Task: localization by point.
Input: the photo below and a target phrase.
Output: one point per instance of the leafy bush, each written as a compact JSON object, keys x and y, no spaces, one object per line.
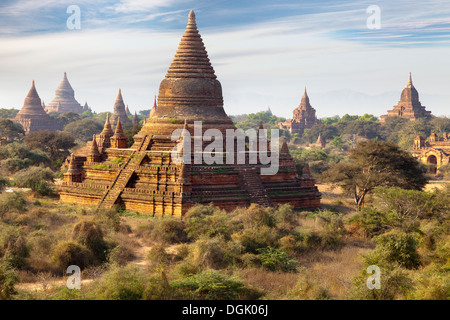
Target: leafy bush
{"x":253,"y":239}
{"x":168,"y":230}
{"x":276,"y":260}
{"x":395,"y":284}
{"x":207,"y":223}
{"x":122,"y":283}
{"x":12,"y":202}
{"x":13,"y":247}
{"x":35,"y":178}
{"x":372,"y":222}
{"x":8,"y":278}
{"x":158,"y":256}
{"x":395,"y":247}
{"x":89,"y":234}
{"x":307,"y":288}
{"x":68,"y":253}
{"x":211,"y":285}
{"x":210,"y":253}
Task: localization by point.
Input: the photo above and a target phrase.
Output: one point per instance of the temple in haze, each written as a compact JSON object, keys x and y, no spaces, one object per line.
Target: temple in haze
{"x":304,"y":117}
{"x":119,"y":111}
{"x":32,"y":116}
{"x":409,"y":106}
{"x":64,"y":100}
{"x":145,"y":177}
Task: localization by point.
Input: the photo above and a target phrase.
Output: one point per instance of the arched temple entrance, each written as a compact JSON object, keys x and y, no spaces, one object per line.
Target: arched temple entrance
{"x":432,"y":164}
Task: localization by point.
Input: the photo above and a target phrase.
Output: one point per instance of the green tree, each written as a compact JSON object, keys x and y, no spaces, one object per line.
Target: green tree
{"x":35,"y":178}
{"x":84,"y":129}
{"x":55,"y":144}
{"x":8,"y":278}
{"x":10,"y":130}
{"x":375,"y":164}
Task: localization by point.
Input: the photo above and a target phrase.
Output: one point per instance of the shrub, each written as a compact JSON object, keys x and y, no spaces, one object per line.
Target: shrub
{"x":122,"y":283}
{"x":254,"y":239}
{"x":372,"y":222}
{"x":109,"y":218}
{"x":12,"y":202}
{"x":395,"y":247}
{"x":307,"y":288}
{"x":395,"y":284}
{"x":119,"y":255}
{"x":209,"y":253}
{"x":89,"y":234}
{"x":169,"y":230}
{"x":13,"y":247}
{"x":8,"y":278}
{"x":158,"y":256}
{"x":257,"y":216}
{"x":210,"y":225}
{"x":68,"y":253}
{"x":276,"y":260}
{"x":35,"y":178}
{"x":211,"y":285}
{"x":285,"y":214}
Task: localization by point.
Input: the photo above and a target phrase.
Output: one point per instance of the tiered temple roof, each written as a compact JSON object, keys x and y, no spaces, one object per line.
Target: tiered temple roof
{"x":146,"y":178}
{"x":32,"y":116}
{"x":64,"y":100}
{"x":304,"y":117}
{"x":409,"y":106}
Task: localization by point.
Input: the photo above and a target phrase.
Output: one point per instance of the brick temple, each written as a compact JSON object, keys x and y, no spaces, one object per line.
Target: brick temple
{"x":64,"y":100}
{"x":32,"y":115}
{"x":304,"y":117}
{"x":409,"y":106}
{"x":435,"y":152}
{"x":145,"y":178}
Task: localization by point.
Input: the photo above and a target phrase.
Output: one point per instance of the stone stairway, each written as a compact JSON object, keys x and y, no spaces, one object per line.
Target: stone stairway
{"x":111,"y":195}
{"x":254,"y":186}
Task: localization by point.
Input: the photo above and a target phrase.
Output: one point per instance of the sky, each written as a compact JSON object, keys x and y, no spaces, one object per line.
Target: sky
{"x":264,"y":52}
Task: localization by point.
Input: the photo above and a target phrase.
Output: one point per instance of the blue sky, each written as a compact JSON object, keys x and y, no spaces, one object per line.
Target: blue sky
{"x":264,"y":52}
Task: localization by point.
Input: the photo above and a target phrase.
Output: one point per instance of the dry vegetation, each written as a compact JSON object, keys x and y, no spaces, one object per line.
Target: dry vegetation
{"x":252,"y":253}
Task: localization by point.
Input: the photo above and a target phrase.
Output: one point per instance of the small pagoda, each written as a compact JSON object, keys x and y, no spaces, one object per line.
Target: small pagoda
{"x":144,"y":177}
{"x":119,"y":111}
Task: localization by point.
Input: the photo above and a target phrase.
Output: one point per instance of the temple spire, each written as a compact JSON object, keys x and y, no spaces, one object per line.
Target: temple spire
{"x":119,"y":130}
{"x":409,"y":84}
{"x":107,"y":131}
{"x":191,"y":59}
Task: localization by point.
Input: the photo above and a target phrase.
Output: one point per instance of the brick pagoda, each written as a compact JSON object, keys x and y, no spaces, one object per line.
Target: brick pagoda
{"x":32,"y":116}
{"x":143,"y":177}
{"x":64,"y":100}
{"x":304,"y":117}
{"x":409,"y":106}
{"x":119,"y":111}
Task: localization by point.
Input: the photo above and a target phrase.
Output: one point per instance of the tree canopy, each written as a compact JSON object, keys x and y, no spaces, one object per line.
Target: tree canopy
{"x":375,"y":164}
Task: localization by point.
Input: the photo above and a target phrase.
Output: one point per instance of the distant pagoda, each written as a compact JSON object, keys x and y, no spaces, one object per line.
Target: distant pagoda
{"x":304,"y":117}
{"x":144,"y":177}
{"x":119,"y":111}
{"x":32,"y":116}
{"x":64,"y":100}
{"x":409,"y":106}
